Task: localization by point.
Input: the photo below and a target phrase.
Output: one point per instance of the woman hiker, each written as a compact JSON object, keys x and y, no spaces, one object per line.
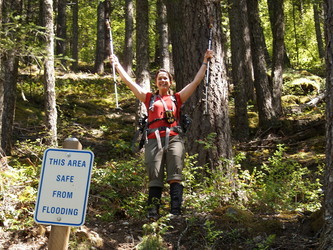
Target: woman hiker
{"x":164,"y":149}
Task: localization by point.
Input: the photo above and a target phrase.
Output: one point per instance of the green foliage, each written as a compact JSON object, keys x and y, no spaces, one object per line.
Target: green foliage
{"x":18,"y":189}
{"x":19,"y":184}
{"x":24,"y":39}
{"x":267,"y":243}
{"x":279,"y":184}
{"x":300,"y":37}
{"x":120,"y":184}
{"x":209,"y":141}
{"x":212,"y":234}
{"x":302,"y":83}
{"x":153,"y":234}
{"x":285,"y":185}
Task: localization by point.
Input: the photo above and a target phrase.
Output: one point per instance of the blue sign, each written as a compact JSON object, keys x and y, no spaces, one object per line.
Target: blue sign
{"x":64,"y":187}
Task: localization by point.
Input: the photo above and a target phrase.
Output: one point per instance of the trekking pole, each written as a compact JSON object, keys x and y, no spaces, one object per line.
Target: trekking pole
{"x":208,"y":70}
{"x":113,"y":66}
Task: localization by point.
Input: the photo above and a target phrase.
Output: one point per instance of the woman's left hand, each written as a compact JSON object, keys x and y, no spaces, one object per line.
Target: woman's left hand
{"x":209,"y":54}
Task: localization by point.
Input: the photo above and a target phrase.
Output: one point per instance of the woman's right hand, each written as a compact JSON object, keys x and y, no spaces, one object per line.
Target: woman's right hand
{"x":114,"y":59}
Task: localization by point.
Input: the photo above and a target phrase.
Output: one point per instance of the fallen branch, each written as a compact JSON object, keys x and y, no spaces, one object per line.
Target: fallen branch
{"x":313,"y":102}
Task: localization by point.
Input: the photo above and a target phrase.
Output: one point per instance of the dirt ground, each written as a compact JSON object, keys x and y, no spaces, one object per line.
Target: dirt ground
{"x":292,"y":231}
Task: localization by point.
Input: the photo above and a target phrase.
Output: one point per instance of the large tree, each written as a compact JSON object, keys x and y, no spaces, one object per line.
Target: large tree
{"x":327,"y":233}
{"x":189,"y":23}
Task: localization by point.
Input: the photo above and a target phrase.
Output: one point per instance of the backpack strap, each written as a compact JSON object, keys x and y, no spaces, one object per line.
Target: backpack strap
{"x":151,"y":103}
{"x":151,"y":106}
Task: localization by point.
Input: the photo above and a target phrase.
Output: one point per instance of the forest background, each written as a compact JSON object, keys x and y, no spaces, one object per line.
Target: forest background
{"x":256,"y":172}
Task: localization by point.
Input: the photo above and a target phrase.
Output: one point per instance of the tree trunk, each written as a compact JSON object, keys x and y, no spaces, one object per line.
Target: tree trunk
{"x":61,"y":30}
{"x":101,"y":38}
{"x":9,"y":71}
{"x":75,"y":38}
{"x":277,"y":25}
{"x":2,"y":75}
{"x":263,"y":90}
{"x":239,"y":60}
{"x":162,"y":51}
{"x":142,"y":49}
{"x":10,"y":65}
{"x":189,"y":23}
{"x":295,"y":32}
{"x":327,"y":233}
{"x":129,"y":29}
{"x":49,"y":76}
{"x":317,"y":9}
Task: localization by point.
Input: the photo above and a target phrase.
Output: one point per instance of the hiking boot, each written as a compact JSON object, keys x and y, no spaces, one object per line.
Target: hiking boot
{"x":176,"y":195}
{"x":154,"y":200}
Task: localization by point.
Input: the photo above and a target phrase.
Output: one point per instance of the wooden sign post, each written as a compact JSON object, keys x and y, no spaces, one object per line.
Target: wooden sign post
{"x":59,"y":235}
{"x":63,"y":190}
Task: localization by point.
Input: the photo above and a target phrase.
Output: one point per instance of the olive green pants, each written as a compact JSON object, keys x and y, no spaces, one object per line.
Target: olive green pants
{"x":159,"y":161}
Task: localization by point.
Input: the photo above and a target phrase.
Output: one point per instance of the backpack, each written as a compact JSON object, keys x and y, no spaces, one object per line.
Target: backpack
{"x":184,"y":123}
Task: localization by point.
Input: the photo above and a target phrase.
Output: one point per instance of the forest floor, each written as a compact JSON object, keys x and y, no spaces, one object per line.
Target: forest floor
{"x":233,"y":228}
{"x":275,"y":231}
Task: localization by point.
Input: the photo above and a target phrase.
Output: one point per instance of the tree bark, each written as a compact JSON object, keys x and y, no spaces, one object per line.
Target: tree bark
{"x":129,"y":29}
{"x":162,"y":51}
{"x":101,"y":37}
{"x":142,"y":50}
{"x":241,"y":74}
{"x":49,"y":76}
{"x":277,"y":24}
{"x":2,"y":75}
{"x":327,"y":232}
{"x":263,"y":90}
{"x":317,"y":9}
{"x":75,"y":38}
{"x":61,"y":30}
{"x":10,"y":71}
{"x":8,"y":81}
{"x":189,"y":43}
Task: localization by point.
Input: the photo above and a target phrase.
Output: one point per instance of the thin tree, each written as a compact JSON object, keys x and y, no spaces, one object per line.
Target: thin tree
{"x":327,"y":232}
{"x":317,"y":16}
{"x":75,"y":38}
{"x":129,"y":30}
{"x":142,"y":49}
{"x":1,"y":82}
{"x":241,"y":65}
{"x":189,"y":22}
{"x":261,"y":82}
{"x":277,"y":25}
{"x":162,"y":45}
{"x":103,"y":12}
{"x":61,"y":29}
{"x":49,"y":75}
{"x":8,"y":80}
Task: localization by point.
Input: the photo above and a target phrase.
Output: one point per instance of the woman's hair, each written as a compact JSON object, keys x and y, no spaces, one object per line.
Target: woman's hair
{"x":170,"y":92}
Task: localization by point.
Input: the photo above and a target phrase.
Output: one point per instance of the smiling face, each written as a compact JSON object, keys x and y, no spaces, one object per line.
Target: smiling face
{"x":163,"y":82}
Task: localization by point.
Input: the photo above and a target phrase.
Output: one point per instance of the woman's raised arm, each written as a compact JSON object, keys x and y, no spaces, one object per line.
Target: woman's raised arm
{"x":137,"y":90}
{"x":188,"y":90}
